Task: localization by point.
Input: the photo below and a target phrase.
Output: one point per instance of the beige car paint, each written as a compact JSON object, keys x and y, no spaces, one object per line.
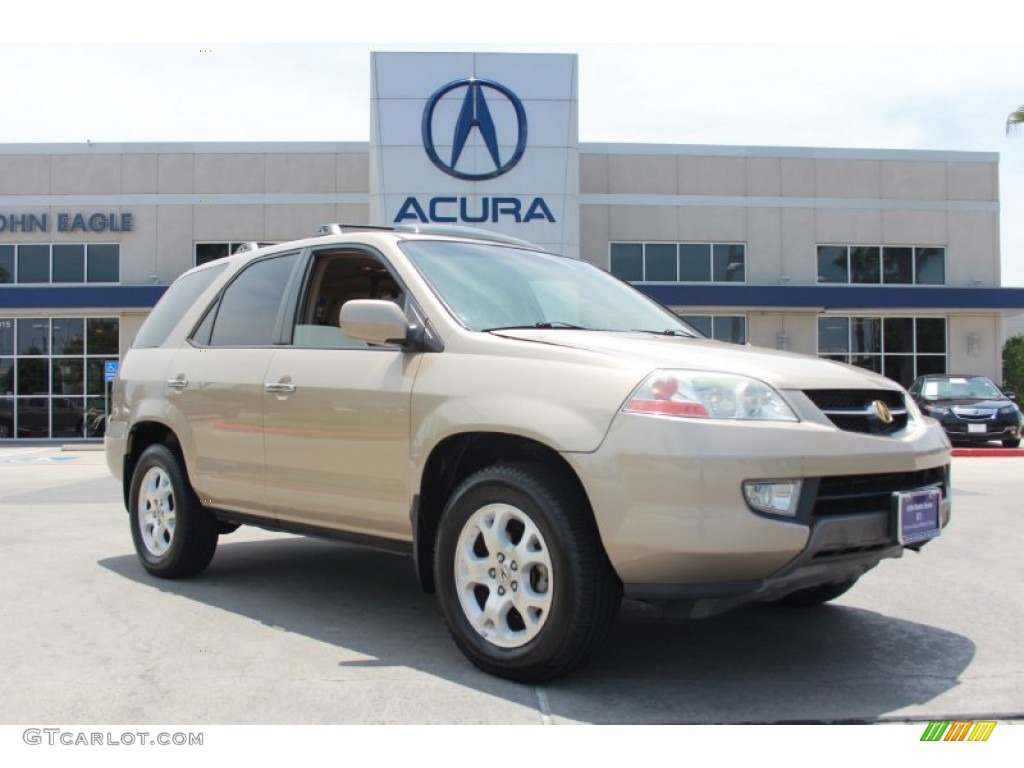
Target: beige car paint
{"x":666,"y":492}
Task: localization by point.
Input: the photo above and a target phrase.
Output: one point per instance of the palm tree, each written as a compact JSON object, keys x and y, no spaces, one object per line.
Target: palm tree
{"x":1015,"y":119}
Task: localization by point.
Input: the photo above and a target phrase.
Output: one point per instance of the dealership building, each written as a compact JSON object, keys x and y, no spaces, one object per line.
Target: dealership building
{"x":885,"y":259}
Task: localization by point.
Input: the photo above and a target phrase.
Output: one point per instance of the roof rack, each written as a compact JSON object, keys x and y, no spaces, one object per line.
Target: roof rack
{"x":452,"y":230}
{"x":470,"y":232}
{"x":340,"y":229}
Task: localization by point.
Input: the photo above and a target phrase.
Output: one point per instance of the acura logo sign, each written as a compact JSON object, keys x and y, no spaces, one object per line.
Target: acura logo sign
{"x":474,"y":117}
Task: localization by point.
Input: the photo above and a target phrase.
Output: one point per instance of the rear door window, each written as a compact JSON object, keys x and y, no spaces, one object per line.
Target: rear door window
{"x":247,"y":312}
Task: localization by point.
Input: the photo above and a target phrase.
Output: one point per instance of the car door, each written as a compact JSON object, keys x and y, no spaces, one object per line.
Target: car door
{"x":216,"y":383}
{"x":337,"y":411}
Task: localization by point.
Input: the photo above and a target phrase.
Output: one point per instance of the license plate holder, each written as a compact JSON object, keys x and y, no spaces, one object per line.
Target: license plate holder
{"x":977,"y":429}
{"x":917,"y":515}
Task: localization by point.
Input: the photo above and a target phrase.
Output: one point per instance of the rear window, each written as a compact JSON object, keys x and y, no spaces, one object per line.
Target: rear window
{"x":169,"y":310}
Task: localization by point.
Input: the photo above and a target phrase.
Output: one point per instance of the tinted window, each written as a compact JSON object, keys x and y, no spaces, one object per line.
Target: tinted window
{"x":68,"y":336}
{"x":168,"y":311}
{"x":248,"y":309}
{"x":931,"y":266}
{"x":897,"y":265}
{"x":833,"y":335}
{"x":104,"y":264}
{"x":69,"y":263}
{"x":34,"y":336}
{"x":864,"y":265}
{"x":662,"y":263}
{"x":33,"y":263}
{"x":627,"y":261}
{"x":694,"y":263}
{"x":6,"y":263}
{"x":103,"y":336}
{"x":832,"y":266}
{"x":729,"y":264}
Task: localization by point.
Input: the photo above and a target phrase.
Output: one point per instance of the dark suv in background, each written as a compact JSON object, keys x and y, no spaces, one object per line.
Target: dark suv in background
{"x":970,"y":408}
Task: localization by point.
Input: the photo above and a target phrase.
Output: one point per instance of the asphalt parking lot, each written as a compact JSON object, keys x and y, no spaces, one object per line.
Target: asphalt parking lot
{"x":283,"y":629}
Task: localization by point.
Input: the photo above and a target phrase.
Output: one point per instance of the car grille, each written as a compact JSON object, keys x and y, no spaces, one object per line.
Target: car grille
{"x":854,"y":410}
{"x":975,"y":414}
{"x":853,"y":494}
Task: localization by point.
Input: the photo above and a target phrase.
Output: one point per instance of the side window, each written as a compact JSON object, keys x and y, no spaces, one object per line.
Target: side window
{"x":173,"y":304}
{"x":336,"y":278}
{"x":248,"y":308}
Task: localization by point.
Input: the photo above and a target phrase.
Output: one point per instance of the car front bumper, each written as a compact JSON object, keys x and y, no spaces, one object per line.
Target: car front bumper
{"x":668,"y":500}
{"x":962,"y":430}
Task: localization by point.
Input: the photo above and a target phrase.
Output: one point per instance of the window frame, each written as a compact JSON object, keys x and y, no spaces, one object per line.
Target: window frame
{"x":287,"y":300}
{"x":915,"y":355}
{"x":914,"y":255}
{"x":711,"y":245}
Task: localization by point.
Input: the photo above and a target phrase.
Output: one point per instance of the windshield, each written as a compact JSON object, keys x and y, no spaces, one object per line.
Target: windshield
{"x":490,"y":287}
{"x":977,"y":388}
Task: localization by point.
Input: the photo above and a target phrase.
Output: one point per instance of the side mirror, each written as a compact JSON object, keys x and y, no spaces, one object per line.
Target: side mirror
{"x":1010,"y":395}
{"x":375,"y":321}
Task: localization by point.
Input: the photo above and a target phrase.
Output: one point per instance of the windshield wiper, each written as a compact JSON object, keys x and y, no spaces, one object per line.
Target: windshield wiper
{"x":542,"y":324}
{"x":666,"y":332}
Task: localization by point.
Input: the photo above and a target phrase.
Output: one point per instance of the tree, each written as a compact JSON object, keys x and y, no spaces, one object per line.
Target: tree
{"x":1015,"y":119}
{"x":1013,"y":365}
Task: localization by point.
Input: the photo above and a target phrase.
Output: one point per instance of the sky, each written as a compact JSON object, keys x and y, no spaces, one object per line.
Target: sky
{"x":892,"y":75}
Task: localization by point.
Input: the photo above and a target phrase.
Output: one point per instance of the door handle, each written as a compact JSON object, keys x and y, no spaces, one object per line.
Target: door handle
{"x":179,"y":383}
{"x":279,"y":387}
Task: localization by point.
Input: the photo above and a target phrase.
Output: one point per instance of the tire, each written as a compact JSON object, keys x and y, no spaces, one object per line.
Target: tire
{"x":808,"y":598}
{"x":1011,"y":443}
{"x":174,"y":536}
{"x":522,"y":577}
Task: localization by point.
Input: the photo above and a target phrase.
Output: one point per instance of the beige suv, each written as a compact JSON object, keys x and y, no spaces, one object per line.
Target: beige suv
{"x":540,"y":437}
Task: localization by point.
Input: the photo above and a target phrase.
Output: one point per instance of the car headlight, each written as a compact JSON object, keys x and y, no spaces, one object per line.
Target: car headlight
{"x":701,"y":395}
{"x":1009,"y":410}
{"x":937,"y":410}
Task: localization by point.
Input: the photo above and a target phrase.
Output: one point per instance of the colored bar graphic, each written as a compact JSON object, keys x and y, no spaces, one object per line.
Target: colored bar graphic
{"x":982,"y":730}
{"x":958,"y":730}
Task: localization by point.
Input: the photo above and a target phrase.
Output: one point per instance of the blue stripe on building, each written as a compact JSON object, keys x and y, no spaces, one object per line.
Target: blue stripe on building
{"x":838,"y":297}
{"x":55,"y":298}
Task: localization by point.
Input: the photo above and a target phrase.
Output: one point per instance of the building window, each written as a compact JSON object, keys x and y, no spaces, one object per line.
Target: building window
{"x":901,"y":348}
{"x":33,"y":263}
{"x":732,"y":328}
{"x":52,"y":381}
{"x":678,"y":262}
{"x":206,"y":252}
{"x":881,"y":265}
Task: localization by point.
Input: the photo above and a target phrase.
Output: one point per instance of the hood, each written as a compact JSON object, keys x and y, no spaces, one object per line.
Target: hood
{"x":782,"y":370}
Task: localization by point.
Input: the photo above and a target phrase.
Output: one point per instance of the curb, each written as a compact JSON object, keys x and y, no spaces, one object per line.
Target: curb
{"x":994,"y":453}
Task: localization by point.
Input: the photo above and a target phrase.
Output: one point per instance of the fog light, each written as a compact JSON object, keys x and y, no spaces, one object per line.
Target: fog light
{"x":776,"y":497}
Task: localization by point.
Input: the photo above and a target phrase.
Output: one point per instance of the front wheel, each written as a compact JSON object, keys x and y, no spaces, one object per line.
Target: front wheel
{"x":1015,"y":443}
{"x":522,"y":577}
{"x":174,"y":536}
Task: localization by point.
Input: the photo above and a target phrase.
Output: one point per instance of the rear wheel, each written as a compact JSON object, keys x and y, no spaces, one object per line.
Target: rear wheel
{"x":174,"y":536}
{"x":522,"y":577}
{"x":808,"y":598}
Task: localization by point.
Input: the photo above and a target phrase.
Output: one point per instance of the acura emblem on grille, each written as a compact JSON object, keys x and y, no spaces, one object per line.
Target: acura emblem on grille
{"x":882,"y":412}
